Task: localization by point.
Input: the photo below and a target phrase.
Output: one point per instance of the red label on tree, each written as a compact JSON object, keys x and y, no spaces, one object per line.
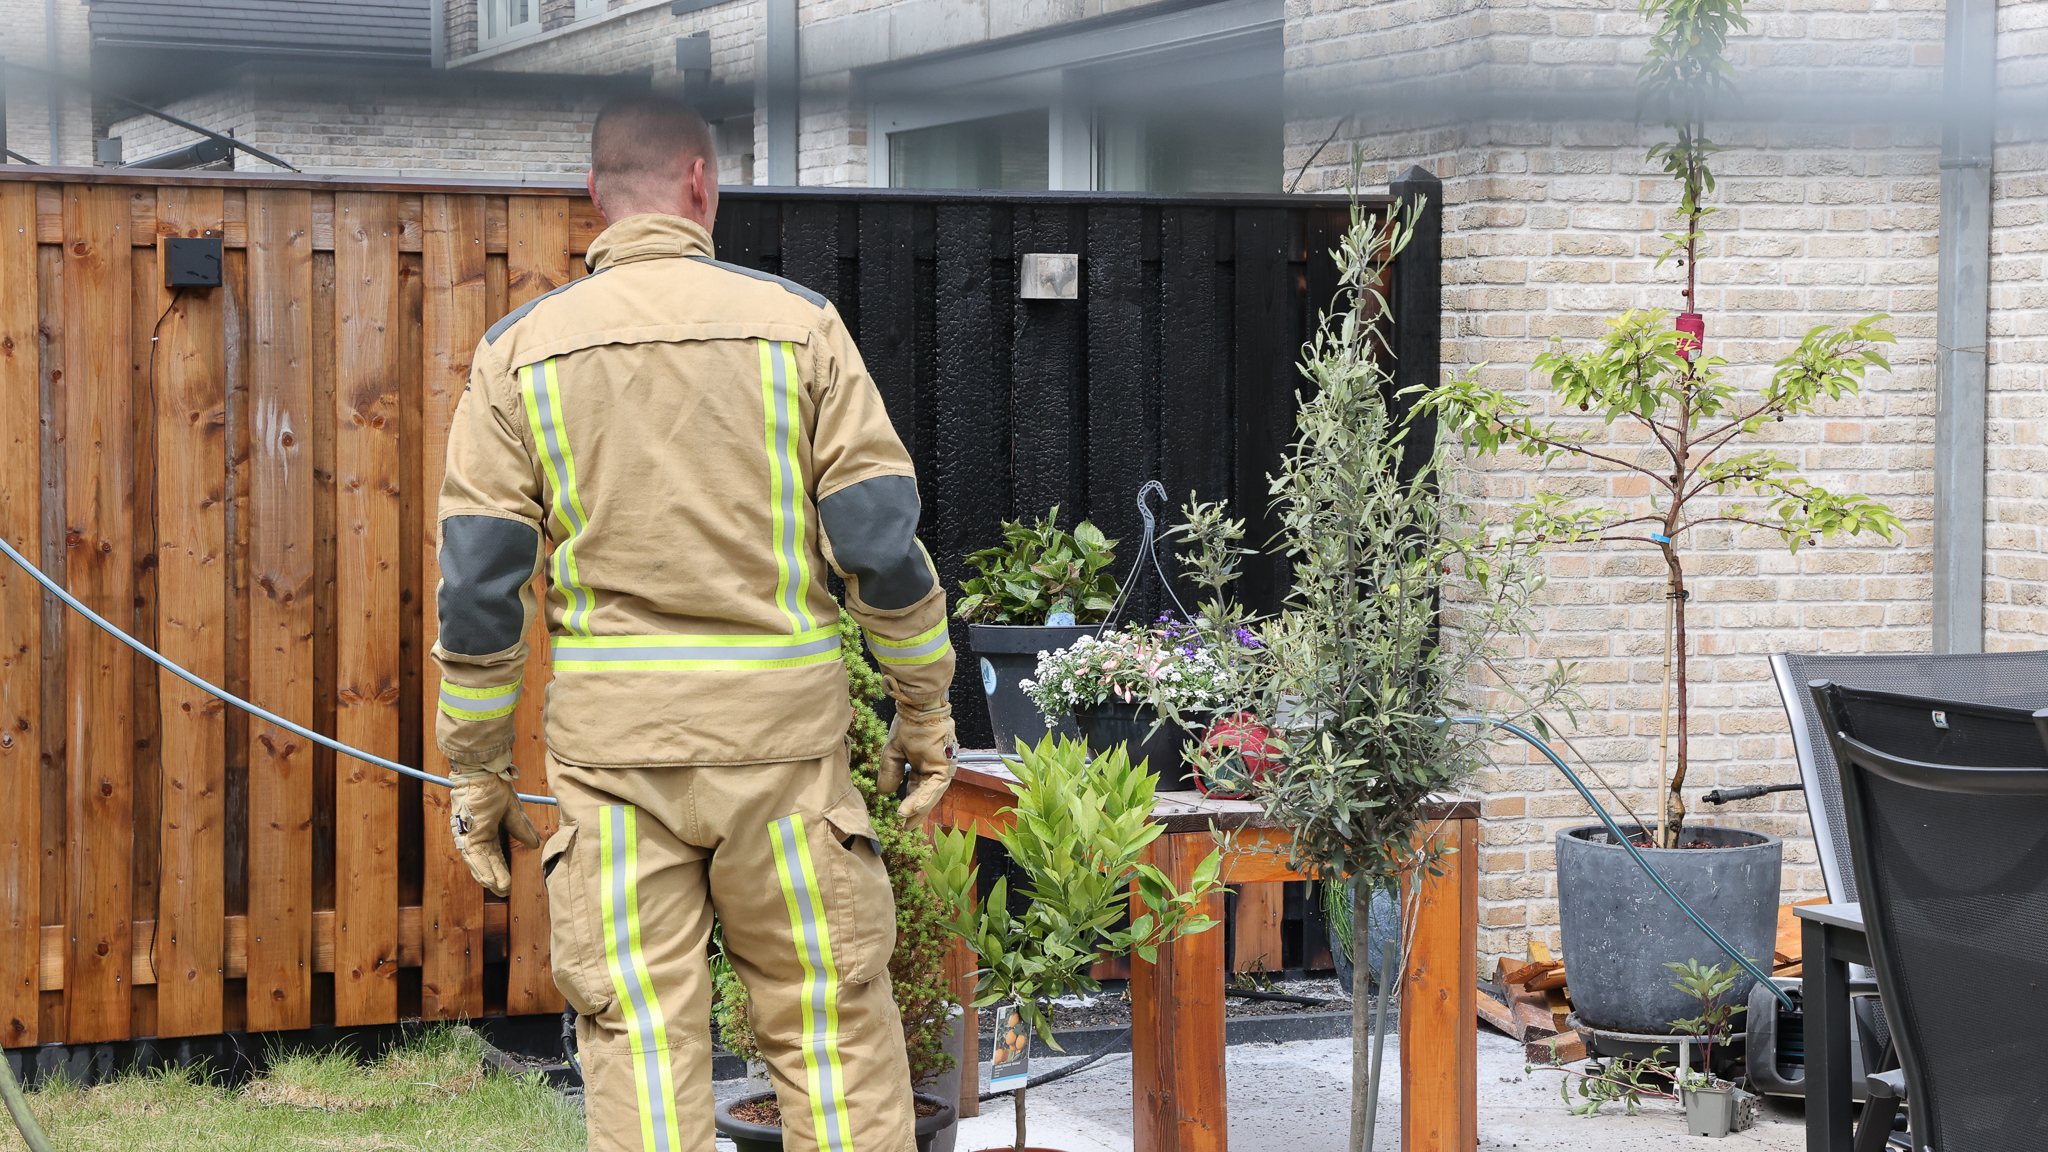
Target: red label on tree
{"x":1692,"y":329}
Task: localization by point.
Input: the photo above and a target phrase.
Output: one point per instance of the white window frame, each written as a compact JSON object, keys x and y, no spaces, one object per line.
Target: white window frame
{"x":585,"y":9}
{"x":887,"y":119}
{"x":1060,"y":73}
{"x":520,"y":31}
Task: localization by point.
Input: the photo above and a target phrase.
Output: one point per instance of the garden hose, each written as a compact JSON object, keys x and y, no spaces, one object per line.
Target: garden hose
{"x":1762,"y":977}
{"x":222,"y":694}
{"x":25,"y":1122}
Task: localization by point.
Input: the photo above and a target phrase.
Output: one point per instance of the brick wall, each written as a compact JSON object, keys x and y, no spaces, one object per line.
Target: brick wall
{"x":2016,"y":538}
{"x":29,"y":97}
{"x":1551,"y":225}
{"x":459,"y":23}
{"x":389,"y":127}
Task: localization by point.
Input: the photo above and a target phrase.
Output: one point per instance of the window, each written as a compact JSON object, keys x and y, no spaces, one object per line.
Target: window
{"x":1221,"y":138}
{"x":592,"y":8}
{"x":504,"y":20}
{"x":996,"y":152}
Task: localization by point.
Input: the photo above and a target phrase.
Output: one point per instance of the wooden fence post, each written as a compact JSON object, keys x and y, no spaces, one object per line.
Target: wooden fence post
{"x":1439,"y":999}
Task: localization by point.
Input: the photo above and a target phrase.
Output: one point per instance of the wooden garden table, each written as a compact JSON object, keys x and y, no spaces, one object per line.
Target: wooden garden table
{"x":1179,"y":1097}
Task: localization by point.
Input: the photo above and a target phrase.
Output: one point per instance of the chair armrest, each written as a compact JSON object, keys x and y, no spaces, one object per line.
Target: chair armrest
{"x":1886,"y":1085}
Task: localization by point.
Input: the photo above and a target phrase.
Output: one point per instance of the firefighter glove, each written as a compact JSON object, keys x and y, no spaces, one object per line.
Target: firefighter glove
{"x":485,"y":801}
{"x":921,"y":742}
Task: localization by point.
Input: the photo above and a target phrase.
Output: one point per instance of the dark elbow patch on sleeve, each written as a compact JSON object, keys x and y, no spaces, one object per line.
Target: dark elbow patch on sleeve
{"x":873,"y":529}
{"x":485,"y":562}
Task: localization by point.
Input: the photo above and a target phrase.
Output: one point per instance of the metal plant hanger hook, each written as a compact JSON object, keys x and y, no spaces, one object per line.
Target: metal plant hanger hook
{"x":1146,"y":551}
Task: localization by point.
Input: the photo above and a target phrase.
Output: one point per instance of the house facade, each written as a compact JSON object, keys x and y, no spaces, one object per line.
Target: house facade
{"x":1828,"y":209}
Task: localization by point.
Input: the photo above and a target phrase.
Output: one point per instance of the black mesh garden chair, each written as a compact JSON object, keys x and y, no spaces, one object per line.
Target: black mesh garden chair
{"x":1952,"y":862}
{"x":2017,"y":679}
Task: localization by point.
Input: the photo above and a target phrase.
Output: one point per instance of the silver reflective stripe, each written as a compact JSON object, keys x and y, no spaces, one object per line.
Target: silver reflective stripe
{"x":485,"y":704}
{"x":628,"y":649}
{"x":646,"y":1030}
{"x":818,"y":997}
{"x":785,"y":423}
{"x":544,"y":411}
{"x":888,"y":653}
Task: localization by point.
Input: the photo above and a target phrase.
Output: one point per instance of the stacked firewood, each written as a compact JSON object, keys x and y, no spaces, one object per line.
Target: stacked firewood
{"x":1534,"y":1006}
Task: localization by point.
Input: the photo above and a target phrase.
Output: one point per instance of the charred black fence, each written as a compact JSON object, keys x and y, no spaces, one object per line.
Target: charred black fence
{"x":1175,"y":360}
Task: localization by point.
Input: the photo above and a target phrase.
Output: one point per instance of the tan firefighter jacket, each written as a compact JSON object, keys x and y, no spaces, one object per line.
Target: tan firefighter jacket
{"x":683,"y":446}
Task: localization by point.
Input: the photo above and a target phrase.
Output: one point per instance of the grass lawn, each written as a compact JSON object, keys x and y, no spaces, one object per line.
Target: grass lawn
{"x":431,"y":1094}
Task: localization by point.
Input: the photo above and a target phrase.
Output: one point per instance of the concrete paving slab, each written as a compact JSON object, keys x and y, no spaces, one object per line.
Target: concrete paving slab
{"x":1295,"y":1098}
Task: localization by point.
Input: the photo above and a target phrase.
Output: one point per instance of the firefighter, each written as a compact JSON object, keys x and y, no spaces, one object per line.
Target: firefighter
{"x":684,"y":447}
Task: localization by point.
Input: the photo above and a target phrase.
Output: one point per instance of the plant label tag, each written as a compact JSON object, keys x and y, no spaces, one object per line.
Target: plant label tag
{"x":1060,"y":620}
{"x":988,"y":677}
{"x":1010,"y":1067}
{"x":1941,"y":719}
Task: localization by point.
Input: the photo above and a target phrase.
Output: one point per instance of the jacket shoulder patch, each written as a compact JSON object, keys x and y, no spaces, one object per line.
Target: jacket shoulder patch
{"x":814,"y":299}
{"x":517,"y":314}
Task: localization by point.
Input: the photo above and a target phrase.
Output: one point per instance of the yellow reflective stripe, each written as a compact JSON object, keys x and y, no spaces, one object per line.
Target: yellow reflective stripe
{"x":818,"y":996}
{"x":782,"y":403}
{"x":539,"y":387}
{"x":671,"y":653}
{"x":646,"y":1032}
{"x":923,"y":648}
{"x":479,"y":703}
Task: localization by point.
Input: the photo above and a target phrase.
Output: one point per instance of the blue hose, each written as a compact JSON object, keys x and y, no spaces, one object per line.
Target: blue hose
{"x":1761,"y":976}
{"x":222,"y":694}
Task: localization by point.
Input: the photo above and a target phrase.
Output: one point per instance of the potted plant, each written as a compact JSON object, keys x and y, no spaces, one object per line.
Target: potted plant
{"x":1079,"y":826}
{"x":1039,"y":590}
{"x":1710,"y":1101}
{"x":1402,"y":615}
{"x":1130,"y":688}
{"x":1686,"y":425}
{"x":932,"y":1019}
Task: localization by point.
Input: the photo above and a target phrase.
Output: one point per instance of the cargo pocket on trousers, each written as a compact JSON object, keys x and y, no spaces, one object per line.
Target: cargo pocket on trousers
{"x":862,"y":908}
{"x":574,"y":934}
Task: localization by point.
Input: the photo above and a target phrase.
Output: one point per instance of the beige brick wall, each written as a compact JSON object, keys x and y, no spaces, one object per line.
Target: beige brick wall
{"x":1552,"y":225}
{"x":2016,"y":539}
{"x":387,"y":128}
{"x":26,"y":41}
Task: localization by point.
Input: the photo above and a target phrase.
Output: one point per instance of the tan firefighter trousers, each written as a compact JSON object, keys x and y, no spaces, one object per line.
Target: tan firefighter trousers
{"x":784,"y":855}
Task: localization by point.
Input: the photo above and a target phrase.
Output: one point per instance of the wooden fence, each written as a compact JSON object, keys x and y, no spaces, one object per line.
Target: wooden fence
{"x":245,"y":477}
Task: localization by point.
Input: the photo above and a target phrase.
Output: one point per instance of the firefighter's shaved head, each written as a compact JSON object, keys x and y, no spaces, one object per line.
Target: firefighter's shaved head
{"x":653,"y":153}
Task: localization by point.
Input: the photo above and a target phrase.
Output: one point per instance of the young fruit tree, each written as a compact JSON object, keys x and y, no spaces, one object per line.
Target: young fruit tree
{"x":1687,"y":424}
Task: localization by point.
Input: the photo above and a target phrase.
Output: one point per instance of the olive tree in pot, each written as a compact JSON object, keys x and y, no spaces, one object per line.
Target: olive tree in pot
{"x":1040,"y":590}
{"x":1402,"y":616}
{"x":1685,"y":426}
{"x":917,"y":976}
{"x":1078,"y":830}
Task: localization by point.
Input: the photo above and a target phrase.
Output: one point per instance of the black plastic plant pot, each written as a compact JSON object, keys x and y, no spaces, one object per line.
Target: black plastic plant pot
{"x":1620,"y":930}
{"x":1164,"y":751}
{"x":1007,"y":653}
{"x":748,"y":1136}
